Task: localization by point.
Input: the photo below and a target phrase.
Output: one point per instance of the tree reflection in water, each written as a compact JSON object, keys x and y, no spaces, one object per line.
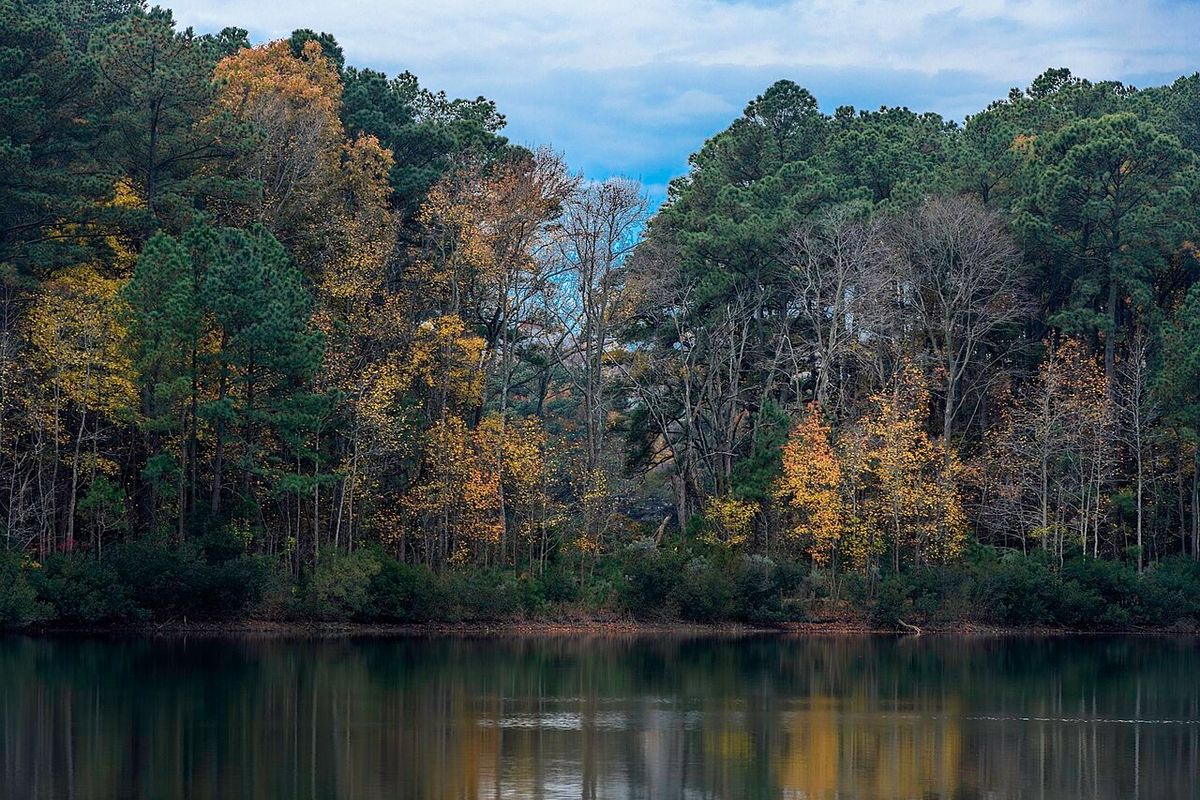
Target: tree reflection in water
{"x":599,"y":717}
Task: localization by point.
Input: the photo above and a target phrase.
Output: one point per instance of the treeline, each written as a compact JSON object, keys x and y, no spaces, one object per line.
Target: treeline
{"x":985,"y":330}
{"x":284,"y":334}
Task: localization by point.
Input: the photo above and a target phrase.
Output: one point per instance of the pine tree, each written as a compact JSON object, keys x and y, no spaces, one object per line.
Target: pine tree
{"x":45,"y":137}
{"x":155,"y":93}
{"x":267,"y":357}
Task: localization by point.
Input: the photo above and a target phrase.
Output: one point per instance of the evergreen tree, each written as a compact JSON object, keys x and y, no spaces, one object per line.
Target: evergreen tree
{"x":45,"y":137}
{"x":267,"y":356}
{"x":1111,"y":207}
{"x":154,"y":93}
{"x":166,"y":327}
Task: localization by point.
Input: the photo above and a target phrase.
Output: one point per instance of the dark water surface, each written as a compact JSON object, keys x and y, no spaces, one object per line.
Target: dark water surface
{"x":580,"y":717}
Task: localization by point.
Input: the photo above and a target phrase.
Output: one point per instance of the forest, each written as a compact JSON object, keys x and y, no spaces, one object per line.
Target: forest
{"x":286,"y":338}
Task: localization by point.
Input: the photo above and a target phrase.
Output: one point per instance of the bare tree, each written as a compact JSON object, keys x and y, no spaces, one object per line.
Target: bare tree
{"x":599,"y":228}
{"x":964,"y":287}
{"x":690,"y":379}
{"x":1137,"y":411}
{"x":1048,"y":468}
{"x":836,"y":278}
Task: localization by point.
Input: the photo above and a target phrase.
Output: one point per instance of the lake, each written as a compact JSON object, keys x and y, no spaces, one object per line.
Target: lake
{"x":599,"y":717}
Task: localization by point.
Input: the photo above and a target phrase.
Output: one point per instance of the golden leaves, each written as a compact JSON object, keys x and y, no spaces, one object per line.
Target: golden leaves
{"x":913,"y":500}
{"x":322,"y":194}
{"x":886,"y":482}
{"x":267,"y":78}
{"x":476,"y":482}
{"x":74,"y":327}
{"x":728,"y":520}
{"x":811,"y":486}
{"x":445,"y":359}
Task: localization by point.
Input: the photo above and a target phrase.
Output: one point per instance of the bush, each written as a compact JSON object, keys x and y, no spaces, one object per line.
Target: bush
{"x":892,"y":602}
{"x":405,"y":593}
{"x":232,"y":587}
{"x":1100,"y":593}
{"x":758,"y":588}
{"x":703,"y":592}
{"x":927,"y":595}
{"x":941,"y":594}
{"x":338,"y":588}
{"x":209,"y":578}
{"x":212,"y":577}
{"x":539,"y":594}
{"x":1169,"y":592}
{"x":164,"y":580}
{"x":559,"y":585}
{"x":650,"y":581}
{"x":82,"y":591}
{"x":1014,"y":589}
{"x":19,"y":605}
{"x":659,"y":583}
{"x":482,"y":596}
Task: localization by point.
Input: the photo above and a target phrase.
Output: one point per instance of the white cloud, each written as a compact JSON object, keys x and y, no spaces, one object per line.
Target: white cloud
{"x":647,"y":80}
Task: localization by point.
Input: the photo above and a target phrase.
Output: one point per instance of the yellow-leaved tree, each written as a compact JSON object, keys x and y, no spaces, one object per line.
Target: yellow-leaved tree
{"x":517,"y":451}
{"x":908,"y":483}
{"x":317,"y":185}
{"x":326,"y":196}
{"x":455,"y":505}
{"x":811,"y":487}
{"x":77,"y":346}
{"x":728,"y":520}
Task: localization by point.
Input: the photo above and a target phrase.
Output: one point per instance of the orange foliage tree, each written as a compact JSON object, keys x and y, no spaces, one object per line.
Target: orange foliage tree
{"x":884,"y":485}
{"x":811,"y":487}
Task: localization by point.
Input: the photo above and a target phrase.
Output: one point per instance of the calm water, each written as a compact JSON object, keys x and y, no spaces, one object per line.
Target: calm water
{"x":450,"y":719}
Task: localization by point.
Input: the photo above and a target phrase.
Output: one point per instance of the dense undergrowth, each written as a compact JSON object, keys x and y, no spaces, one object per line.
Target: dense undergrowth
{"x":213,"y":579}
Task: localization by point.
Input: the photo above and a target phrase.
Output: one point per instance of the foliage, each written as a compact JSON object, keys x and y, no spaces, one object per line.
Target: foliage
{"x":83,"y":592}
{"x":811,"y":487}
{"x":277,"y":326}
{"x":727,"y":521}
{"x":19,"y":604}
{"x":197,"y":580}
{"x":338,"y":587}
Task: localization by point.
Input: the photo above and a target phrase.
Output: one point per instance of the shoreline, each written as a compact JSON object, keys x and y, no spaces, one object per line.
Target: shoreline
{"x":568,"y":629}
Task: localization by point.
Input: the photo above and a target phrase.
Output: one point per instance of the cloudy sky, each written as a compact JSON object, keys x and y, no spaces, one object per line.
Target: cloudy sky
{"x":633,"y":86}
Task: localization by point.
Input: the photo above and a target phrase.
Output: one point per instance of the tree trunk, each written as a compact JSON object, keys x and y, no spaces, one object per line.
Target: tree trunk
{"x":1196,"y":506}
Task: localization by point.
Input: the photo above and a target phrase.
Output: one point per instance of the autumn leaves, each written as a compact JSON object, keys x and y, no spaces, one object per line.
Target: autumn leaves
{"x":882,"y":486}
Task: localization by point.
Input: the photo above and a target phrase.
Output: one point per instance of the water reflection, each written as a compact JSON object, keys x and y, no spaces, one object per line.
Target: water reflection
{"x":849,"y":717}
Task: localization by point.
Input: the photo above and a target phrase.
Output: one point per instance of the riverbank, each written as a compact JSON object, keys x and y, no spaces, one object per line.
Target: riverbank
{"x":583,"y":628}
{"x":148,"y":588}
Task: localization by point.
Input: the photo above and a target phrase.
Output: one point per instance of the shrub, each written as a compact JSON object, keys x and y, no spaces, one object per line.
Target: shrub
{"x":1110,"y":589}
{"x":703,"y":593}
{"x":559,"y":584}
{"x":82,"y":591}
{"x":162,"y":579}
{"x":19,"y":605}
{"x":940,"y":594}
{"x":1014,"y":589}
{"x":892,"y":602}
{"x":483,"y":596}
{"x":405,"y":593}
{"x":758,"y":589}
{"x":338,"y":588}
{"x":650,"y":580}
{"x":208,"y":578}
{"x":232,"y":587}
{"x":1169,"y":592}
{"x":929,"y":594}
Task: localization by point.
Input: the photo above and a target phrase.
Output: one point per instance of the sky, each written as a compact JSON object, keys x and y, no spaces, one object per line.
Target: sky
{"x":632,"y":87}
